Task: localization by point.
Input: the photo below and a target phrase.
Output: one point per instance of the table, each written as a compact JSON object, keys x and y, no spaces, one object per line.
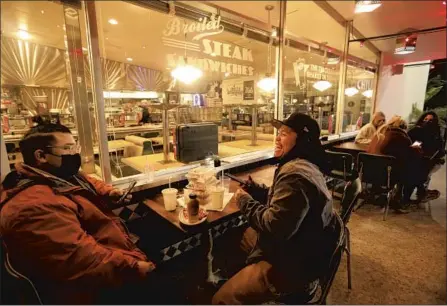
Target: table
{"x":139,"y":162}
{"x":351,"y":147}
{"x":233,"y":135}
{"x":227,"y":151}
{"x":115,"y":145}
{"x":245,"y":144}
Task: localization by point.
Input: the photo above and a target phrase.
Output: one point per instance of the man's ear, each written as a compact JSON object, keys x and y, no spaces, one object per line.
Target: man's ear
{"x":39,"y":155}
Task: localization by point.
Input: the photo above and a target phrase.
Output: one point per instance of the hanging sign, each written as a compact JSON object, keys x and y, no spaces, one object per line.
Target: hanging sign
{"x":239,"y":91}
{"x":249,"y":90}
{"x":214,"y":56}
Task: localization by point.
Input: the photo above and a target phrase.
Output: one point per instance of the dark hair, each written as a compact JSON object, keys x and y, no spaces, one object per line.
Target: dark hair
{"x":422,"y":117}
{"x":38,"y":138}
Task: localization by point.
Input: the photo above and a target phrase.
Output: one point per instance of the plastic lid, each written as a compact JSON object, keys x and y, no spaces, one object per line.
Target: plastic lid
{"x":192,"y":196}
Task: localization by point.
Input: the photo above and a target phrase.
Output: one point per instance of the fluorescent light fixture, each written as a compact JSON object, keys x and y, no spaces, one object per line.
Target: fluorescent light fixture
{"x":333,"y":60}
{"x":368,"y":93}
{"x":23,"y":34}
{"x":362,"y":6}
{"x":322,"y":85}
{"x":130,"y":95}
{"x":351,"y":91}
{"x":113,"y":21}
{"x":267,"y":84}
{"x":186,"y":74}
{"x":129,"y":59}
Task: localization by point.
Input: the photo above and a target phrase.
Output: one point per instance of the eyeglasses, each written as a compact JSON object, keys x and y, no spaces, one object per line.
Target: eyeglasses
{"x":69,"y":148}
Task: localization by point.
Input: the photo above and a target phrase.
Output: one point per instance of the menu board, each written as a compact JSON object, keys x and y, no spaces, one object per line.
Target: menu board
{"x":239,"y":91}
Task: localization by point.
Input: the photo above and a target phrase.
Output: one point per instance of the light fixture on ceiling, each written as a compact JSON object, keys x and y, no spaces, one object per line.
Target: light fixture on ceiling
{"x":185,"y":73}
{"x":368,"y":93}
{"x":42,"y":12}
{"x":333,"y":60}
{"x":351,"y":91}
{"x":113,"y":21}
{"x":322,"y":85}
{"x":362,"y":6}
{"x":227,"y":74}
{"x":23,"y":34}
{"x":268,"y":83}
{"x":405,"y":45}
{"x":129,"y":59}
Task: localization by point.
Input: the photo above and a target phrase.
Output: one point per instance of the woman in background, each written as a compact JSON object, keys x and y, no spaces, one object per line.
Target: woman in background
{"x":393,"y":140}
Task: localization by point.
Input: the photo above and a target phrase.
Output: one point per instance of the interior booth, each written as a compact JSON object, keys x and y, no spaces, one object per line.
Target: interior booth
{"x":153,"y":89}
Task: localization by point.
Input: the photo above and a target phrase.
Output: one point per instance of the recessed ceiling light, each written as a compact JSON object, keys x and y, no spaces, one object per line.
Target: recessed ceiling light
{"x":107,"y":38}
{"x":58,"y":26}
{"x":144,"y":47}
{"x":42,"y":12}
{"x":113,"y":21}
{"x":129,"y":59}
{"x":22,"y":34}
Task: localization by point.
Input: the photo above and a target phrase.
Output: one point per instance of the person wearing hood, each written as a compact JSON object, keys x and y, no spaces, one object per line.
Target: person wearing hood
{"x":367,"y":132}
{"x":428,"y":132}
{"x":291,"y":224}
{"x":57,"y":226}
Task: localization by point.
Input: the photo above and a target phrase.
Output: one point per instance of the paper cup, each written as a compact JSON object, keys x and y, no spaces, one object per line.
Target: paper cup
{"x":217,"y":197}
{"x":170,"y":198}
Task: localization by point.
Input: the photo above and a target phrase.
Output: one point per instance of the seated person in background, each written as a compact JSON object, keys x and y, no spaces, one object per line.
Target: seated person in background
{"x":291,"y":228}
{"x":145,"y":116}
{"x":428,"y":132}
{"x":56,"y":226}
{"x":392,"y":139}
{"x":367,"y":132}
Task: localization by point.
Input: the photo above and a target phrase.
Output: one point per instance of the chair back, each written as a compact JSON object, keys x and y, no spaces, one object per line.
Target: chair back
{"x":150,"y":134}
{"x":21,"y":289}
{"x":340,"y":162}
{"x":148,"y":149}
{"x":351,"y":194}
{"x":379,"y":170}
{"x":328,"y":278}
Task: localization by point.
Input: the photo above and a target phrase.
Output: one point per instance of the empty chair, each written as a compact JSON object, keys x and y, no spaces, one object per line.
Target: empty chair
{"x":148,"y":149}
{"x":380,"y":171}
{"x":341,"y":166}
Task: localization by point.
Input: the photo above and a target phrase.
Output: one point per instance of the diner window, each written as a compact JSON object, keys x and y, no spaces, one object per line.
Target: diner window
{"x":185,"y":74}
{"x":40,"y":44}
{"x":360,"y":87}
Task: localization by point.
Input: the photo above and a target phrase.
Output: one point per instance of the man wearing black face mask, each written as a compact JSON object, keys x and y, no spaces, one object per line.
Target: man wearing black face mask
{"x":57,"y":226}
{"x":291,"y":227}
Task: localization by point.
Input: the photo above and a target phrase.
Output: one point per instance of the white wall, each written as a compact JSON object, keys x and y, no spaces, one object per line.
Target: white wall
{"x":397,"y":93}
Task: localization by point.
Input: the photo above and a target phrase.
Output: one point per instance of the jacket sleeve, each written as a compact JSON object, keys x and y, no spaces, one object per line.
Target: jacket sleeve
{"x":63,"y":251}
{"x":101,"y":187}
{"x":287,"y":209}
{"x":364,"y":136}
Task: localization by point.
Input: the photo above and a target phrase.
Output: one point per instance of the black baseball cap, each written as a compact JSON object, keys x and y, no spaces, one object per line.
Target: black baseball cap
{"x":302,"y":124}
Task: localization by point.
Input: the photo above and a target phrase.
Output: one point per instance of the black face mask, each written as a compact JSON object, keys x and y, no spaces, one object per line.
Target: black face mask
{"x":70,"y":164}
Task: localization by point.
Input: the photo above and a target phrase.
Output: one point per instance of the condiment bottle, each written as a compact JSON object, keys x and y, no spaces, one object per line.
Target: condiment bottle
{"x":193,"y":208}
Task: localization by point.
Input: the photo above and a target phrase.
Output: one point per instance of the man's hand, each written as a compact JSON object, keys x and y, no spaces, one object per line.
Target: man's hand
{"x":116,"y":194}
{"x":145,"y":267}
{"x":237,"y":196}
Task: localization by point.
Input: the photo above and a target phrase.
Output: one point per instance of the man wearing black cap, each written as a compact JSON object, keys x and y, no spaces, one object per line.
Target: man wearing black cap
{"x":290,"y":228}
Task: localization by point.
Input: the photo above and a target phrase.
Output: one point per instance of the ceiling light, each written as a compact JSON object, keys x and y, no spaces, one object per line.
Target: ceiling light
{"x":322,"y":85}
{"x":129,"y":59}
{"x":333,"y":60}
{"x":405,"y":45}
{"x":227,"y":74}
{"x":213,"y":54}
{"x":351,"y":91}
{"x":42,"y":12}
{"x":107,"y":38}
{"x":274,"y":32}
{"x":362,"y":6}
{"x":113,"y":21}
{"x":186,"y":74}
{"x":368,"y":93}
{"x":144,"y":47}
{"x":23,"y":34}
{"x":267,"y":84}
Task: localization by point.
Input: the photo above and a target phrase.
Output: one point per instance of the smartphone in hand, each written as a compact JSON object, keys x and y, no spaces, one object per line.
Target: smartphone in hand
{"x":128,"y":190}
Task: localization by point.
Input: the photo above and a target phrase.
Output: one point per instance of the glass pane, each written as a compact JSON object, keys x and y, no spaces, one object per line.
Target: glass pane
{"x":150,"y":59}
{"x":34,"y":77}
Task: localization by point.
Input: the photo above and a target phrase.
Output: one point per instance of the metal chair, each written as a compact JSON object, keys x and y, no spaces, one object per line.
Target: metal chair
{"x":380,"y":171}
{"x":26,"y":291}
{"x":326,"y":280}
{"x":351,"y":194}
{"x":148,"y":149}
{"x":341,"y":166}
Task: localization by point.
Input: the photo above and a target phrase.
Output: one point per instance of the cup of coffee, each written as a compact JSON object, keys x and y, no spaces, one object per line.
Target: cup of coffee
{"x":217,"y":197}
{"x":170,"y":198}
